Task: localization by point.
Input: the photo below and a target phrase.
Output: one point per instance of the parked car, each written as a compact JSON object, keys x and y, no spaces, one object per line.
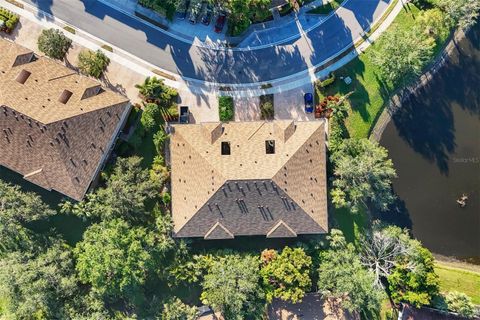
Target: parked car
{"x":220,"y":22}
{"x":194,"y":12}
{"x":182,"y":9}
{"x":207,"y":16}
{"x":184,"y":114}
{"x":308,"y":98}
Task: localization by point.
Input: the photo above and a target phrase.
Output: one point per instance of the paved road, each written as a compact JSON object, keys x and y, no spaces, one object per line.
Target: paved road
{"x":220,"y":66}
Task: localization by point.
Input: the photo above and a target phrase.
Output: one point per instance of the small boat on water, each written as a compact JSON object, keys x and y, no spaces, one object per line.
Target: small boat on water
{"x":463,"y":200}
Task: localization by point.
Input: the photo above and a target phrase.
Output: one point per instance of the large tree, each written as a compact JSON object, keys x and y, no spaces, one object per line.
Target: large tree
{"x":463,"y":13}
{"x":175,"y":309}
{"x":126,"y":194}
{"x":382,"y":248}
{"x":342,"y":279}
{"x":401,"y":54}
{"x":363,"y":175}
{"x":286,"y":275}
{"x":154,"y":90}
{"x":115,"y":258}
{"x":413,"y":280}
{"x":54,"y":43}
{"x":17,"y":209}
{"x":39,"y":287}
{"x":232,"y":286}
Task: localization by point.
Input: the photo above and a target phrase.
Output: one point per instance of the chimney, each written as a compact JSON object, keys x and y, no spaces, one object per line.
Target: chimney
{"x":283,"y":130}
{"x":212,"y":131}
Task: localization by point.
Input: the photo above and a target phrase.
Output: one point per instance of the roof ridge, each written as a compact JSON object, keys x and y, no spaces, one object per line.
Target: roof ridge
{"x":278,"y":225}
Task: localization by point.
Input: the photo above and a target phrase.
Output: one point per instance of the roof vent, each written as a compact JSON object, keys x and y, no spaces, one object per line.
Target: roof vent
{"x":23,"y":59}
{"x":23,"y":76}
{"x":65,"y":96}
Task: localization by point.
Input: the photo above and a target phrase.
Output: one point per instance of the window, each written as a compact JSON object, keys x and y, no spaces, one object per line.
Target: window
{"x":23,"y":76}
{"x":270,"y":146}
{"x":225,"y":148}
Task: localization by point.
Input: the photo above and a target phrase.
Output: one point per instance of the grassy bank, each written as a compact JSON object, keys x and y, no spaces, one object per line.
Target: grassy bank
{"x":457,"y":279}
{"x":370,"y":91}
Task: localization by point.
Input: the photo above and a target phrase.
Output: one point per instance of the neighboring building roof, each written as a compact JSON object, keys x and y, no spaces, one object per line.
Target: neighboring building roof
{"x":312,"y":307}
{"x":424,"y":313}
{"x":56,"y":125}
{"x":249,"y":192}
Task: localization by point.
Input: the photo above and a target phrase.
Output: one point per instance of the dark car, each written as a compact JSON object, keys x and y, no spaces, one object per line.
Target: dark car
{"x":308,"y":98}
{"x":207,"y":17}
{"x":220,"y":23}
{"x":184,"y":115}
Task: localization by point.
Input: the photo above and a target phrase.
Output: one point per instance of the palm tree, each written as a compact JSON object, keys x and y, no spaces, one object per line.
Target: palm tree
{"x":151,"y":89}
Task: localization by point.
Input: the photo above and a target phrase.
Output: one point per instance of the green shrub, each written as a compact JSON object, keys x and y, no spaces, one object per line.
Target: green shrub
{"x":460,"y":303}
{"x":226,"y":108}
{"x":93,"y":63}
{"x":69,"y":29}
{"x":267,"y":111}
{"x":150,"y":116}
{"x":54,"y":43}
{"x":10,"y":19}
{"x":327,"y":82}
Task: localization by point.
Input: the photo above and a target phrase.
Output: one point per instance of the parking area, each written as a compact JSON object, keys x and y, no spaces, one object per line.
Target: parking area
{"x":203,"y":107}
{"x":200,"y":20}
{"x":290,"y":104}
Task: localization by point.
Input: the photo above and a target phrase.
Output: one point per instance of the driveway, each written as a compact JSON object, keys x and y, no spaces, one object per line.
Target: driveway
{"x":290,"y":104}
{"x":228,"y":66}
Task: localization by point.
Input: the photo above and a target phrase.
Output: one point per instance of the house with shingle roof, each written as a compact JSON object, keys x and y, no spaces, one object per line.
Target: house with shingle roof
{"x":56,"y":126}
{"x":249,"y":178}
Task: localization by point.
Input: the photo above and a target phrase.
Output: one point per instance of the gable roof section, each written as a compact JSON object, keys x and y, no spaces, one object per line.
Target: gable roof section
{"x":281,"y":230}
{"x":218,"y":231}
{"x":54,"y":145}
{"x":288,"y":176}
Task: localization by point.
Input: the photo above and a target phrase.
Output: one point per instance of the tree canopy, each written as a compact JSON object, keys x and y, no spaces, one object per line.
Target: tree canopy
{"x":54,"y":43}
{"x":115,"y":258}
{"x":286,"y":275}
{"x":402,"y":54}
{"x":343,"y":279}
{"x":93,"y":63}
{"x":125,"y":195}
{"x":232,"y":286}
{"x":363,"y":175}
{"x":39,"y":287}
{"x":17,"y":209}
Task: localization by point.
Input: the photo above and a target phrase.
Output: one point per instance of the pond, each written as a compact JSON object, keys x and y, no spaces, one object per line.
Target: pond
{"x":434,"y":142}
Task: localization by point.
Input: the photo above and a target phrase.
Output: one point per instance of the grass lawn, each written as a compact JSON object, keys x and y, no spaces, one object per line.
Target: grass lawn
{"x":351,"y":224}
{"x":326,"y":8}
{"x":455,"y":279}
{"x":370,"y":93}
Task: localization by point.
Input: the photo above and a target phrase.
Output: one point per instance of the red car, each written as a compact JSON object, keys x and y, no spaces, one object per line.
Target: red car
{"x":220,"y":23}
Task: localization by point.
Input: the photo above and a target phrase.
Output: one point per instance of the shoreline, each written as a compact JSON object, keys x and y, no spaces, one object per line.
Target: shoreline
{"x":396,"y":101}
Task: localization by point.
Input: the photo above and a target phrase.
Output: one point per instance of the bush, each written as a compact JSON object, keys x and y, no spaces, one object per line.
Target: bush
{"x":266,"y":107}
{"x":326,"y":82}
{"x":150,"y":116}
{"x":54,"y":43}
{"x":93,"y":63}
{"x":225,"y":108}
{"x":10,"y":19}
{"x":460,"y":303}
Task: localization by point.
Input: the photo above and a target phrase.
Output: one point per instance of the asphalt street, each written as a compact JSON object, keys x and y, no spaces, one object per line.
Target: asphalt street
{"x":219,"y":65}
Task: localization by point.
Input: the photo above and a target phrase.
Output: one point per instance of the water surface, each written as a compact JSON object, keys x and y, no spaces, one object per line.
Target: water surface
{"x":434,"y":141}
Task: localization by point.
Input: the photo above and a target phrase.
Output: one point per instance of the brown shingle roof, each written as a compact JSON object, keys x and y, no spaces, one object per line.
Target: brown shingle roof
{"x":54,"y":144}
{"x":249,"y":191}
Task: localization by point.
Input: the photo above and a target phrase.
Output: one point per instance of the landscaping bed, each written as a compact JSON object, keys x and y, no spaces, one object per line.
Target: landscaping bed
{"x":226,"y":108}
{"x":10,"y":20}
{"x":267,"y":107}
{"x":327,"y":8}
